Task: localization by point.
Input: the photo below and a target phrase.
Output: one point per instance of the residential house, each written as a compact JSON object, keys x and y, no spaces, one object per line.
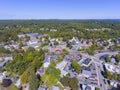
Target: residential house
{"x":5,"y":60}
{"x":114,"y":83}
{"x":55,"y":88}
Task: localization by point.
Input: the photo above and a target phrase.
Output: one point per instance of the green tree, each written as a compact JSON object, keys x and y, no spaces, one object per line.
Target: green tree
{"x":20,"y":45}
{"x":56,"y":43}
{"x":108,"y":59}
{"x":73,"y":83}
{"x":25,"y":76}
{"x":107,"y":74}
{"x":60,"y":59}
{"x":76,"y":66}
{"x":64,"y":52}
{"x":118,"y":57}
{"x":70,"y":82}
{"x":65,"y":81}
{"x":97,"y":88}
{"x":34,"y":82}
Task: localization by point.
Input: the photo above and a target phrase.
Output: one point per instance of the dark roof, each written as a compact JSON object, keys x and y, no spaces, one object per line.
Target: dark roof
{"x":7,"y":82}
{"x":104,"y":56}
{"x":87,"y":61}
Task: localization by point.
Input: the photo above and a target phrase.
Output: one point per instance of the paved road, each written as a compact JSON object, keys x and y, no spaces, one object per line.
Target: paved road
{"x":99,"y":66}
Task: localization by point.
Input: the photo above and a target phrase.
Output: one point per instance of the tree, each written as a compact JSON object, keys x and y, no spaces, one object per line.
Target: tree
{"x":20,"y":45}
{"x":69,"y":45}
{"x":30,"y":49}
{"x":118,"y":57}
{"x":51,"y":76}
{"x":64,"y":52}
{"x":107,"y":74}
{"x":56,"y":43}
{"x":34,"y":82}
{"x":76,"y":66}
{"x":60,"y":59}
{"x":25,"y":76}
{"x":90,"y":51}
{"x":53,"y":72}
{"x":97,"y":88}
{"x":115,"y":76}
{"x":73,"y":83}
{"x":65,"y":81}
{"x":108,"y":59}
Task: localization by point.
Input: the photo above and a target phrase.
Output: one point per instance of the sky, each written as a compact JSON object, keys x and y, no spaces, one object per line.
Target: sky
{"x":59,"y":9}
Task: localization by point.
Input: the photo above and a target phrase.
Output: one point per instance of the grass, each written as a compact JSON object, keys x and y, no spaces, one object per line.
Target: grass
{"x":12,"y":87}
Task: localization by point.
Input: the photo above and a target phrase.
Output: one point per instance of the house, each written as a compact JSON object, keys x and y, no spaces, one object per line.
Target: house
{"x":74,"y":41}
{"x":87,"y":87}
{"x":34,"y":35}
{"x":49,"y":58}
{"x":7,"y":47}
{"x":6,"y":82}
{"x":54,"y":88}
{"x":40,"y":71}
{"x":42,"y":88}
{"x":53,"y":30}
{"x":113,"y":60}
{"x":5,"y":60}
{"x":114,"y":83}
{"x":32,"y":41}
{"x":21,"y":35}
{"x":18,"y":83}
{"x":61,"y":66}
{"x":42,"y":28}
{"x":47,"y":61}
{"x":26,"y":87}
{"x":2,"y":76}
{"x":118,"y":40}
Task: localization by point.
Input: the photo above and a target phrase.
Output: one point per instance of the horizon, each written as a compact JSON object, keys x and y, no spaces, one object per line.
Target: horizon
{"x":52,"y":9}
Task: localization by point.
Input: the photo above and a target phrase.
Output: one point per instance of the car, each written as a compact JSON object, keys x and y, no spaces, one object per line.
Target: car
{"x":104,"y":81}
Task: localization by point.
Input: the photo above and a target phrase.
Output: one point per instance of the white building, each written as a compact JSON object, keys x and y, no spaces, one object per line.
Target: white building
{"x":112,"y":68}
{"x":46,"y":61}
{"x":18,"y":83}
{"x":61,"y":66}
{"x":114,"y":83}
{"x":88,"y":87}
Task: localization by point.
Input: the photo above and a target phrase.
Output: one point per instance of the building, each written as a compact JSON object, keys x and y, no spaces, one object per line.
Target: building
{"x":61,"y":66}
{"x":6,"y":82}
{"x":18,"y":83}
{"x":87,"y":62}
{"x":114,"y":83}
{"x":112,"y":68}
{"x":2,"y":76}
{"x":87,"y":87}
{"x":49,"y":58}
{"x":5,"y":60}
{"x":42,"y":88}
{"x":46,"y":61}
{"x":40,"y":71}
{"x":54,"y":88}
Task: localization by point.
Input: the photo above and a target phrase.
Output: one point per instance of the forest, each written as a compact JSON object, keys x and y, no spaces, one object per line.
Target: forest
{"x":88,"y":29}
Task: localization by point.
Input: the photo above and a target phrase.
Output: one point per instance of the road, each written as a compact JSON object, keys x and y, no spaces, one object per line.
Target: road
{"x":99,"y":66}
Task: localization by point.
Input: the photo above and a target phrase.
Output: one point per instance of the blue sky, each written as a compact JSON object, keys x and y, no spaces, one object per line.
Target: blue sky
{"x":59,"y":9}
